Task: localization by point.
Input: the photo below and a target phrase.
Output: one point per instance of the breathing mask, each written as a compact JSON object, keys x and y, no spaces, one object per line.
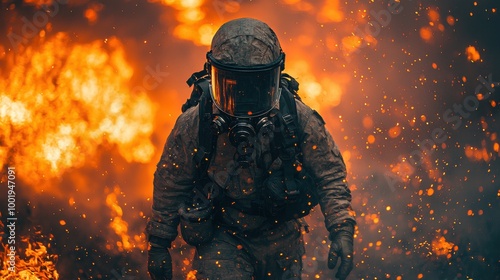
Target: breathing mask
{"x":245,"y":64}
{"x":243,"y":133}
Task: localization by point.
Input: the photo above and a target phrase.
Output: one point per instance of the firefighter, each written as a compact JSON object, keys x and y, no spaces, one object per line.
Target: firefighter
{"x":245,"y":161}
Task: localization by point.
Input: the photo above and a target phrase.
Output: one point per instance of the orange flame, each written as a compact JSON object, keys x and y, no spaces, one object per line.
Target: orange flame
{"x":190,"y":16}
{"x":62,"y":101}
{"x":316,"y":93}
{"x":120,"y":226}
{"x":37,"y":264}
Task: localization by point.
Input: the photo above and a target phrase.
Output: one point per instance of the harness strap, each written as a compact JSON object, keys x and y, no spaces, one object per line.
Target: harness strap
{"x":289,"y":147}
{"x":197,"y":76}
{"x":198,"y":79}
{"x":206,"y":138}
{"x":288,"y":135}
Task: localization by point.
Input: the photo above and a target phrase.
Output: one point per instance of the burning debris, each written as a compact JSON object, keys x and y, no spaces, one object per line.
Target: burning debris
{"x":32,"y":260}
{"x":120,"y":226}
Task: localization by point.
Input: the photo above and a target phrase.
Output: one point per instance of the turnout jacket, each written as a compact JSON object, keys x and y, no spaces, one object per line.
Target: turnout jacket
{"x":176,"y":171}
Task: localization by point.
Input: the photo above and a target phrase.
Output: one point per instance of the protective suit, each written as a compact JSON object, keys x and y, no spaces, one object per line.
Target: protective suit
{"x":244,"y":244}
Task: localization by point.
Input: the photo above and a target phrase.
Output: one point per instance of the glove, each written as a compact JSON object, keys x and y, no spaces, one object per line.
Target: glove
{"x":159,"y":259}
{"x":341,"y":246}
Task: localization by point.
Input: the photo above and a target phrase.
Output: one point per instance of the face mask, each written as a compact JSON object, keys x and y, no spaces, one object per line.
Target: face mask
{"x":243,"y":134}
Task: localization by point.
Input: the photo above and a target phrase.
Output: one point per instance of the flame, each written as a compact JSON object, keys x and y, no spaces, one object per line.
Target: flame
{"x":39,"y":3}
{"x":403,"y":170}
{"x":351,"y":44}
{"x":394,"y":131}
{"x":191,"y":22}
{"x":37,"y":263}
{"x":120,"y":226}
{"x":62,"y":101}
{"x":331,"y":12}
{"x":426,"y":33}
{"x":316,"y":93}
{"x":319,"y":34}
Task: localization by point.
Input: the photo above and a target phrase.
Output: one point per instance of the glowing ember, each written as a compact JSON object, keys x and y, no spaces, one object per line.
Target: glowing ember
{"x":191,"y":275}
{"x":441,"y":247}
{"x":472,"y":54}
{"x":426,"y":33}
{"x":317,"y":94}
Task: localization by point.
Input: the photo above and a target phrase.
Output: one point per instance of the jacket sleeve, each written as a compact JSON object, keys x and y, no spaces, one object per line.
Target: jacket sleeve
{"x":324,"y":162}
{"x":174,"y":176}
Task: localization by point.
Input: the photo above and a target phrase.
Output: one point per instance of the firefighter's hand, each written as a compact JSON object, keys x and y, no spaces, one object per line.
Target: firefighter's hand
{"x":342,"y":246}
{"x":159,"y":262}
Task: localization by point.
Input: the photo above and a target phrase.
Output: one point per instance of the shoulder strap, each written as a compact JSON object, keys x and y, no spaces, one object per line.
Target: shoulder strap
{"x":290,"y":131}
{"x":206,"y":138}
{"x":291,"y":84}
{"x":288,"y":136}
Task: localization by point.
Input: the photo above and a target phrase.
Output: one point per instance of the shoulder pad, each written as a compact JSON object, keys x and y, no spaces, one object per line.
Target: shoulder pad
{"x":315,"y":113}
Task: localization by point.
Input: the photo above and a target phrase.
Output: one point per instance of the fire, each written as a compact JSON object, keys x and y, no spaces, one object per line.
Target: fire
{"x":190,"y":19}
{"x":478,"y":154}
{"x":62,"y":101}
{"x":36,"y":263}
{"x":120,"y":226}
{"x":51,"y":125}
{"x":38,"y":3}
{"x":331,"y":12}
{"x":316,"y":93}
{"x":441,"y":247}
{"x":403,"y":170}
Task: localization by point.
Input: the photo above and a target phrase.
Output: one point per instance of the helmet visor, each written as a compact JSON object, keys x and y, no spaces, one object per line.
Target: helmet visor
{"x":245,"y":92}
